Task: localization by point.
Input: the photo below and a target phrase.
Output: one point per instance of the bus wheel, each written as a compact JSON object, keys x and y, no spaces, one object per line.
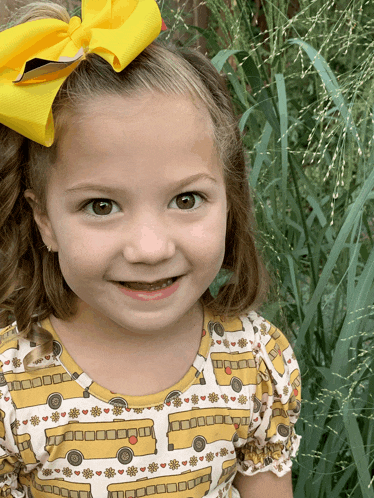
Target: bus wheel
{"x":297,"y":407}
{"x":57,"y":348}
{"x":2,"y":380}
{"x":125,"y":455}
{"x":199,"y":443}
{"x":257,"y":405}
{"x":217,"y":328}
{"x":235,"y":438}
{"x":118,"y":401}
{"x":236,"y":384}
{"x":54,"y":401}
{"x":171,"y":395}
{"x":74,"y":457}
{"x":283,"y":430}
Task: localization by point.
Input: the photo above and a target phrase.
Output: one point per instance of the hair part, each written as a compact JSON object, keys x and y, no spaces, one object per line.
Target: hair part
{"x":32,"y":286}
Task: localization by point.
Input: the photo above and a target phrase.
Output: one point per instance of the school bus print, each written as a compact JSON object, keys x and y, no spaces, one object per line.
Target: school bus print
{"x":279,"y":422}
{"x":234,"y":369}
{"x":39,"y":387}
{"x":8,"y":463}
{"x":200,"y":426}
{"x":188,"y":484}
{"x":121,"y":439}
{"x":23,"y":442}
{"x":222,"y":326}
{"x":8,"y":332}
{"x":228,"y":470}
{"x":41,"y":488}
{"x":275,"y":349}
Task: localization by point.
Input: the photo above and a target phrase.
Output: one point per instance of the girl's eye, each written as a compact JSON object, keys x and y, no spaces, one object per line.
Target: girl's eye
{"x":183,"y":200}
{"x":100,"y":207}
{"x":104,"y":207}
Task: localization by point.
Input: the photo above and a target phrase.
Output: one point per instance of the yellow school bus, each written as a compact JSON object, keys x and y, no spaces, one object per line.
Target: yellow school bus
{"x":48,"y":385}
{"x":295,"y":382}
{"x":189,"y":484}
{"x":228,"y":469}
{"x":8,"y":332}
{"x":279,"y":422}
{"x":275,"y":349}
{"x":7,"y":465}
{"x":54,"y":487}
{"x":201,"y":426}
{"x":86,"y":440}
{"x":234,"y":369}
{"x":23,"y":442}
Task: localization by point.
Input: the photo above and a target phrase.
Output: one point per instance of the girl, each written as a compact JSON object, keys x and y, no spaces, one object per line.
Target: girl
{"x":124,"y":192}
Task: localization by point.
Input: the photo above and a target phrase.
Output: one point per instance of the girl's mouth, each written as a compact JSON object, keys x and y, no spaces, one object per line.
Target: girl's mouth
{"x":160,"y":284}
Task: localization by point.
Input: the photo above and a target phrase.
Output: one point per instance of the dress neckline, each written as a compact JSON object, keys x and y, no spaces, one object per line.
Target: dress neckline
{"x":131,"y":401}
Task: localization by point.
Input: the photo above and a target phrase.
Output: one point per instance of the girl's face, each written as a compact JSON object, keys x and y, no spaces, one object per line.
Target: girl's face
{"x":121,"y":207}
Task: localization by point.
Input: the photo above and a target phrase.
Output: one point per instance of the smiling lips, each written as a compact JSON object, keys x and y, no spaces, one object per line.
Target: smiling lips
{"x":159,"y":284}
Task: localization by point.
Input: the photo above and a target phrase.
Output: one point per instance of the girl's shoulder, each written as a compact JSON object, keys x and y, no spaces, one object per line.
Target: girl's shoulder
{"x":251,"y":336}
{"x":251,"y":326}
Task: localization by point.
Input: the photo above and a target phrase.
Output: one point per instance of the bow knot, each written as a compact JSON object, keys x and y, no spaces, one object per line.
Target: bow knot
{"x":77,"y":33}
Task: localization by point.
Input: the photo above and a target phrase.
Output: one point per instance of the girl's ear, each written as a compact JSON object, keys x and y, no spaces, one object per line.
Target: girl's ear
{"x":42,"y":220}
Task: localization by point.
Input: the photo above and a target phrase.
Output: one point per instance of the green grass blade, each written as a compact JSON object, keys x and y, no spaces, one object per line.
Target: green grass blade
{"x":331,"y":84}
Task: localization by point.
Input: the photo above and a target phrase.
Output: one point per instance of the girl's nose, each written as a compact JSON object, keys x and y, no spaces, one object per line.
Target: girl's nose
{"x":149,"y":242}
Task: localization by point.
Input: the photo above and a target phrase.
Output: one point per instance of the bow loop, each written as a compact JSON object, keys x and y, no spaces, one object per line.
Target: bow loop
{"x":36,"y":57}
{"x":77,"y":33}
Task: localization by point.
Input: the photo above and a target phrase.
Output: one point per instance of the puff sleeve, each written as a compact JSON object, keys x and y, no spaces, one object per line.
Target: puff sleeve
{"x":10,"y":463}
{"x":271,"y":440}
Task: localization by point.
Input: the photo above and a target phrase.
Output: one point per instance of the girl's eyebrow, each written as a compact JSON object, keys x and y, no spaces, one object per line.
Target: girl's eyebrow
{"x":177,"y":185}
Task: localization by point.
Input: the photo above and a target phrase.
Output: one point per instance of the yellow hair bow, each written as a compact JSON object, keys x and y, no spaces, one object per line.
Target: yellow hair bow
{"x":36,"y":57}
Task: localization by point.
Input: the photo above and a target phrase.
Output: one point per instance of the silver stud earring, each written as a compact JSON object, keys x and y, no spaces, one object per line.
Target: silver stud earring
{"x":49,"y":248}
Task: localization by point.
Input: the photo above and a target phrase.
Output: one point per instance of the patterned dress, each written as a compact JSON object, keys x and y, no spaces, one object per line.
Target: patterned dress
{"x":62,"y":434}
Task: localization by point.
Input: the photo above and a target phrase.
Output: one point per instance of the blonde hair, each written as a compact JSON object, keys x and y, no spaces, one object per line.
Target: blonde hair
{"x":32,"y":286}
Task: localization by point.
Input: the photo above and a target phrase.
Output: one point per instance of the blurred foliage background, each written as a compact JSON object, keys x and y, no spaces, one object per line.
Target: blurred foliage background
{"x":301,"y":77}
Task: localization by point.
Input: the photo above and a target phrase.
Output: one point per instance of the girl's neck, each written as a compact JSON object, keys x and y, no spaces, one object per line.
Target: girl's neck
{"x":92,"y":331}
